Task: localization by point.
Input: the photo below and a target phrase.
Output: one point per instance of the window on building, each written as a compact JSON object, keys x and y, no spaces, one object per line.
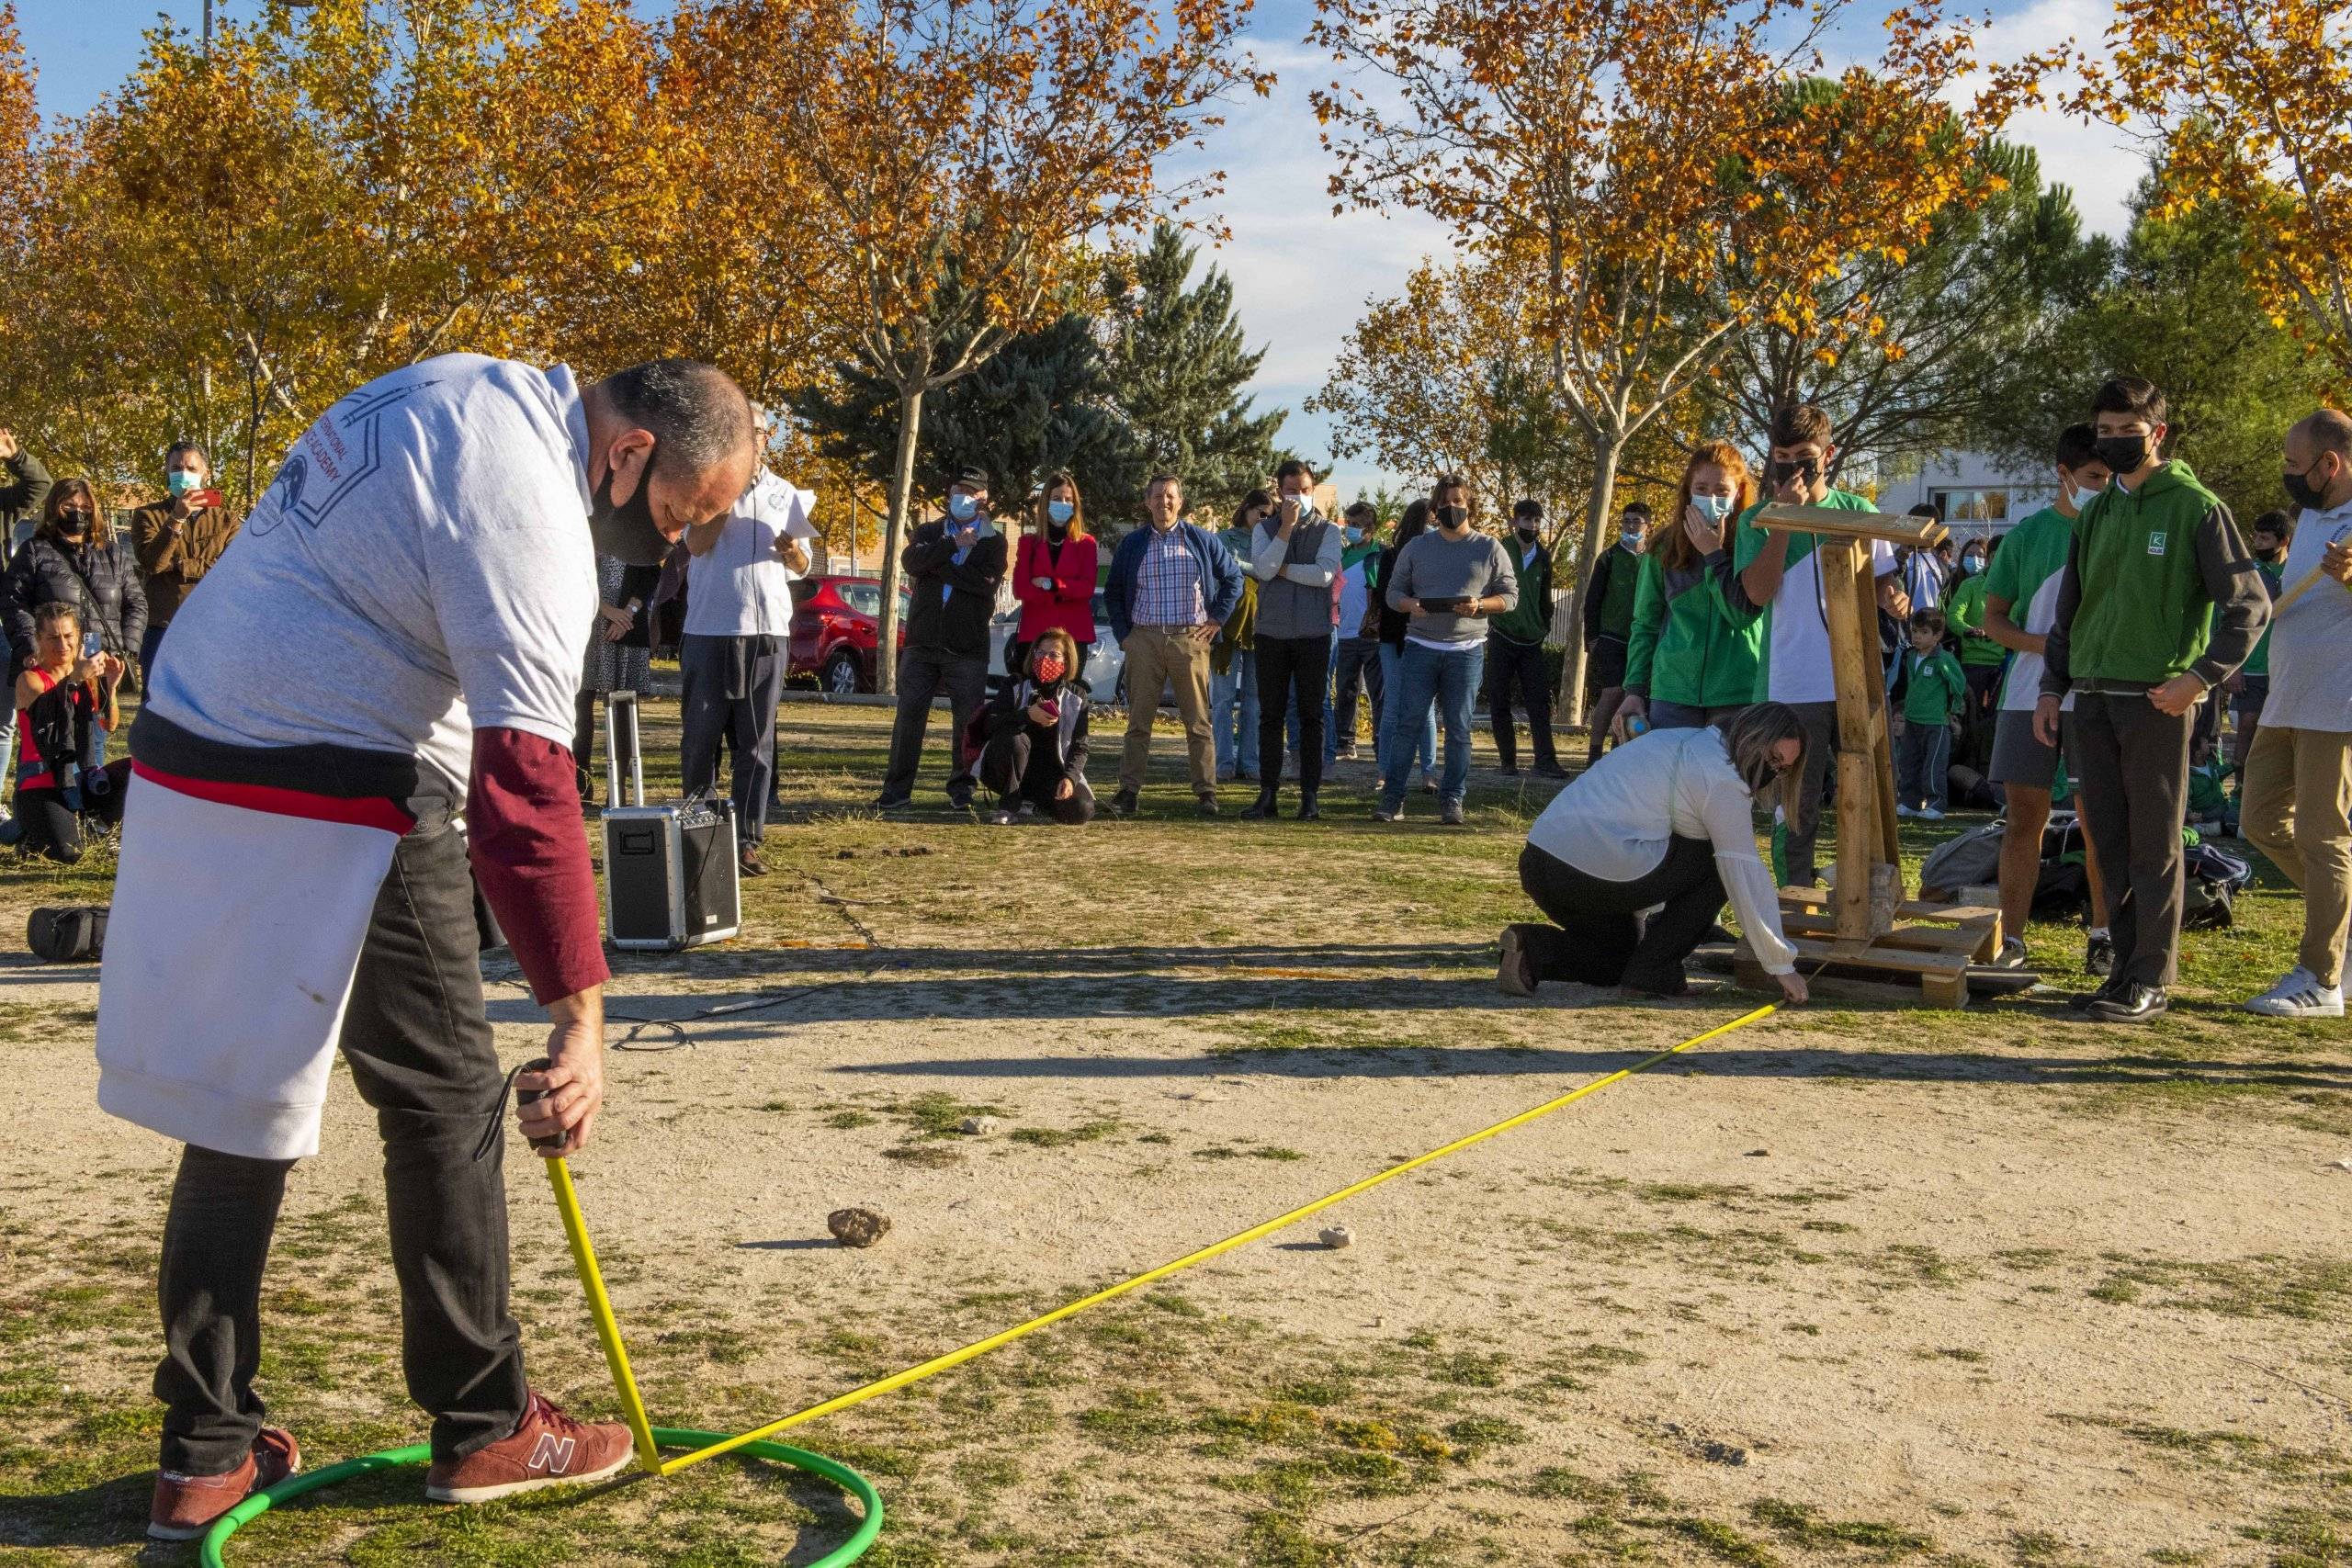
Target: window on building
{"x":1971,"y":505}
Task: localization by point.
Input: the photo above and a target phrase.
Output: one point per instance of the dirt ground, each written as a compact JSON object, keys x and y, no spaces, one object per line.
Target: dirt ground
{"x":1852,"y":1285}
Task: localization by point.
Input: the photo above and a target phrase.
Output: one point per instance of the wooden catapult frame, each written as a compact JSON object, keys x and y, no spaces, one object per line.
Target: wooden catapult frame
{"x":1862,"y":926}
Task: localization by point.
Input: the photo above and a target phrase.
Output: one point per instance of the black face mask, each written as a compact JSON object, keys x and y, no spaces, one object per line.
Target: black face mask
{"x":1527,"y":531}
{"x":626,"y":532}
{"x":1806,"y":468}
{"x":2302,"y":492}
{"x":1452,"y":516}
{"x":2122,"y":454}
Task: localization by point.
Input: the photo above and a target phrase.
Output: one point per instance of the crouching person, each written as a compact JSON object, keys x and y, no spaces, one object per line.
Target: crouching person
{"x":1035,"y":753}
{"x":1662,"y":823}
{"x":66,"y":707}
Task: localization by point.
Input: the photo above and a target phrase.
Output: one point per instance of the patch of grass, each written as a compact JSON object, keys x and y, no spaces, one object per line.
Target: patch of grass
{"x":1722,"y":1543}
{"x":1476,"y":1434}
{"x":1801,"y":1523}
{"x":848,"y":1120}
{"x":1059,"y":1137}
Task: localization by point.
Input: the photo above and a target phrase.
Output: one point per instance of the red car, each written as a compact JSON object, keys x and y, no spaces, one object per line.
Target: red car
{"x":836,"y":626}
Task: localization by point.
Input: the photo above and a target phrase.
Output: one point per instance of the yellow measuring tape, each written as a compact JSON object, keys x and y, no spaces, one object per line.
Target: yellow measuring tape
{"x":617,"y":1357}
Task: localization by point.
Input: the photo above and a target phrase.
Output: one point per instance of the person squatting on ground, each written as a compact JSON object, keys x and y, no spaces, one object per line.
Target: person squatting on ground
{"x":1633,"y":862}
{"x":1690,"y":659}
{"x":177,"y":539}
{"x":2020,"y":606}
{"x":1608,"y":624}
{"x":1935,"y":693}
{"x":1035,"y":753}
{"x":1515,"y":648}
{"x":2157,"y":604}
{"x":1447,"y":582}
{"x":2298,"y":784}
{"x":1233,"y":656}
{"x":76,"y":557}
{"x":1355,"y":655}
{"x":60,"y":697}
{"x":293,"y":879}
{"x":1171,"y":585}
{"x":1422,"y":731}
{"x":736,"y":643}
{"x":1295,"y":557}
{"x":1052,"y":577}
{"x":953,"y":564}
{"x":1777,"y":574}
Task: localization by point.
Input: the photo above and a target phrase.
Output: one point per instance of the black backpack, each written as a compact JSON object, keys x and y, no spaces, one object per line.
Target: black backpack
{"x":67,"y":933}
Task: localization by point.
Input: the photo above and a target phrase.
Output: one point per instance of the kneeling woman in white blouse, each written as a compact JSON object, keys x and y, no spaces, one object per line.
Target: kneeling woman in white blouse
{"x":1662,"y":824}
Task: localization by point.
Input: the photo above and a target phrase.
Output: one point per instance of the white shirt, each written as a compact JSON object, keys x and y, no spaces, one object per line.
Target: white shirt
{"x":1798,"y":655}
{"x":2310,"y":644}
{"x":1615,"y":819}
{"x":739,"y":587}
{"x":420,"y":565}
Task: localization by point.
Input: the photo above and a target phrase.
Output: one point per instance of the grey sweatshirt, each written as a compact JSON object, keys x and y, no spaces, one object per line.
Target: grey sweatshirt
{"x":1294,"y":577}
{"x":1434,"y":567}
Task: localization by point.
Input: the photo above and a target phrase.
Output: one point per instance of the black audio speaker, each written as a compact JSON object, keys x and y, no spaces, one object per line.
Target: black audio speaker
{"x":670,"y":876}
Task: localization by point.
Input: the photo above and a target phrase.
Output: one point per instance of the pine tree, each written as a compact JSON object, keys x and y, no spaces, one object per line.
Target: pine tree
{"x":1042,"y":403}
{"x":1178,"y":363}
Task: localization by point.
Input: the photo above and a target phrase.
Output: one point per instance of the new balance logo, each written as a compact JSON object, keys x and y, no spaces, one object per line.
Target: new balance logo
{"x":551,"y":1453}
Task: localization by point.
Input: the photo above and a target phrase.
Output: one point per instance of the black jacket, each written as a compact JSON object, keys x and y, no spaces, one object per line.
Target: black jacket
{"x":959,"y":625}
{"x":45,"y":572}
{"x":1008,"y":714}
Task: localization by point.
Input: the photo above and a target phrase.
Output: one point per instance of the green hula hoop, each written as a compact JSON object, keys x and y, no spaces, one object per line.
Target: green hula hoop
{"x":840,"y":1474}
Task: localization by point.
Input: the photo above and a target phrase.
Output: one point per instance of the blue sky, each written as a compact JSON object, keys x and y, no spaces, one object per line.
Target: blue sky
{"x":1301,"y":275}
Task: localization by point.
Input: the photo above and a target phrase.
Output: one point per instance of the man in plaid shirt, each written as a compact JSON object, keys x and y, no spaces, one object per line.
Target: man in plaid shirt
{"x":1171,"y":585}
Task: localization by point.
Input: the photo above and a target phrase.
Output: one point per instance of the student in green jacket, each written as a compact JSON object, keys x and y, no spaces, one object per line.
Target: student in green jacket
{"x":1934,"y":694}
{"x":1515,"y":648}
{"x":1609,"y":625}
{"x":2159,"y":604}
{"x":1981,"y":659}
{"x":1690,"y":659}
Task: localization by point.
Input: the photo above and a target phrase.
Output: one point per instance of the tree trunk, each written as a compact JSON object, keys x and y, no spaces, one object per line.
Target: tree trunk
{"x":895,"y":531}
{"x":1568,"y":702}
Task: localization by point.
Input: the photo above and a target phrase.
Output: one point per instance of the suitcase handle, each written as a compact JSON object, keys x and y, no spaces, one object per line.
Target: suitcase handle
{"x":620,"y":740}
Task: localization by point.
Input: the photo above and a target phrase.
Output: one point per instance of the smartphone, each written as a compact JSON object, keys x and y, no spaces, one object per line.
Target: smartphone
{"x":1053,"y":709}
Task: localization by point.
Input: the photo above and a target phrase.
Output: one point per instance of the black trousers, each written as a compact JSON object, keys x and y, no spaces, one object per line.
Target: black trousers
{"x":2130,"y":769}
{"x":421,"y":1052}
{"x":926,"y":673}
{"x":1355,"y":668}
{"x":1517,"y":668}
{"x":47,"y":827}
{"x":1799,"y":827}
{"x":1598,"y":937}
{"x":731,"y":687}
{"x":1292,"y":672}
{"x":1021,"y":765}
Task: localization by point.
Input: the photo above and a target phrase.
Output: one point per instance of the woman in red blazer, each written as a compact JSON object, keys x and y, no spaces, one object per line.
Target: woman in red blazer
{"x":1053,"y":574}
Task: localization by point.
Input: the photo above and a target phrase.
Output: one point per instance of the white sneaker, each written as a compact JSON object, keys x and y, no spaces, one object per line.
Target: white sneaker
{"x":1928,"y":813}
{"x":2299,"y":995}
{"x":2012,"y":954}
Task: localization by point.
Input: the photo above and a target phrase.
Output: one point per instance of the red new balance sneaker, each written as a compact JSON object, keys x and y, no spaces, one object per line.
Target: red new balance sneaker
{"x":547,"y":1449}
{"x":187,"y":1505}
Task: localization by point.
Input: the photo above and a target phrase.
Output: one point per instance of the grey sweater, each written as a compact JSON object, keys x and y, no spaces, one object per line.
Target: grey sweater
{"x":1434,"y":567}
{"x":1295,"y":578}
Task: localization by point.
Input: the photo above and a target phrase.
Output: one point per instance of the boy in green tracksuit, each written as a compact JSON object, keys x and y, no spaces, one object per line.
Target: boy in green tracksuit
{"x":1935,"y":691}
{"x":2159,"y":603}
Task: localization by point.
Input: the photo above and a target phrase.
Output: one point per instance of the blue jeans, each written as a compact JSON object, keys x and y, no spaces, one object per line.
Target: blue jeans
{"x":1233,"y":714}
{"x":1452,"y":679}
{"x":1391,"y":692}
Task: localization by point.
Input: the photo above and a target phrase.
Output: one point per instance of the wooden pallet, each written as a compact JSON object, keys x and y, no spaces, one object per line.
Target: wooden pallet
{"x":1930,"y":946}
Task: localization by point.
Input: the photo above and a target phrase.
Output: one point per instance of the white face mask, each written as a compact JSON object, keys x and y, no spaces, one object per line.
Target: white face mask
{"x":2079,"y":499}
{"x":1714,"y":508}
{"x":1629,"y":539}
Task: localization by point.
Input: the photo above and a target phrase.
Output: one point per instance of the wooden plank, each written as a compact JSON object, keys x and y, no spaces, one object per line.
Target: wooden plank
{"x":1836,"y":522}
{"x":1857,"y":799}
{"x":1896,"y":959}
{"x":1913,"y":939}
{"x":1948,"y":913}
{"x":1890,"y":842}
{"x":1813,"y":897}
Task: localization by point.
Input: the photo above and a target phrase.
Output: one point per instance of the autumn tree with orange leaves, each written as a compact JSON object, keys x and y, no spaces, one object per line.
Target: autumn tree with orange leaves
{"x":2251,"y":103}
{"x":954,"y":155}
{"x":1622,"y":153}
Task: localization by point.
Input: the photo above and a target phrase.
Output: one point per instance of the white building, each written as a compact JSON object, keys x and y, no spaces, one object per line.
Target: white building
{"x":1975,"y":495}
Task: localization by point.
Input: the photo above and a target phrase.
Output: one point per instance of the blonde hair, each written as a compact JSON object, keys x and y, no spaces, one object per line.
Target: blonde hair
{"x":1054,"y":481}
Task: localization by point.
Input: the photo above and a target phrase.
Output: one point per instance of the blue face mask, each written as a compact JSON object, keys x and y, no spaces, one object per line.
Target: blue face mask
{"x":1714,"y":508}
{"x":1352,"y":533}
{"x":962,"y":507}
{"x":1060,"y":510}
{"x":179,"y":481}
{"x":1971,"y":565}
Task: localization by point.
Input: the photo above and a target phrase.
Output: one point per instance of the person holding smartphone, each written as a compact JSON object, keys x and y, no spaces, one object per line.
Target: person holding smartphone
{"x":1034,"y":754}
{"x":1447,"y":582}
{"x":177,"y":539}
